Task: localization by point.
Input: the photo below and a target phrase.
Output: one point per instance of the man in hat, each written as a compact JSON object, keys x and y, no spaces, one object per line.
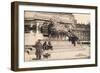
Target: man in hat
{"x":39,"y":49}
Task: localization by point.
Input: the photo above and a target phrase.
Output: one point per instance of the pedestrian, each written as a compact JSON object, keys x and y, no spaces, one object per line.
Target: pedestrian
{"x":74,"y":39}
{"x":45,"y":46}
{"x":39,"y":49}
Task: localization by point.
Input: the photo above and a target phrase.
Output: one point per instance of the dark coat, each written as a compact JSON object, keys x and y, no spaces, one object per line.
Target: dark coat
{"x":39,"y":48}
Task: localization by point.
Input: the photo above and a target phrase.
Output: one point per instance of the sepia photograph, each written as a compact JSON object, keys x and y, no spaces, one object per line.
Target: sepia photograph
{"x":56,"y":36}
{"x":53,"y":36}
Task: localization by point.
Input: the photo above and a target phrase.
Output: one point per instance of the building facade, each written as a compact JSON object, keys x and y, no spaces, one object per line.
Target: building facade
{"x":53,"y":26}
{"x":82,"y":31}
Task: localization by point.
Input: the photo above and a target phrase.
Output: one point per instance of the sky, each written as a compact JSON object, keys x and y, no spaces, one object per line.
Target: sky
{"x":82,"y":18}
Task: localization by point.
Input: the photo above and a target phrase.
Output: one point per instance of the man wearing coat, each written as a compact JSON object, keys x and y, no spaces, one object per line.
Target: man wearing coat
{"x":39,"y":49}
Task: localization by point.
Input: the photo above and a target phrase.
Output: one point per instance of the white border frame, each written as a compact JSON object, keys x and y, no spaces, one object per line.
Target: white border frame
{"x":34,"y":64}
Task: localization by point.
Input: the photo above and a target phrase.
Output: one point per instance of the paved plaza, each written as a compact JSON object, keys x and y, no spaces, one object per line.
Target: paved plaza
{"x":62,"y":50}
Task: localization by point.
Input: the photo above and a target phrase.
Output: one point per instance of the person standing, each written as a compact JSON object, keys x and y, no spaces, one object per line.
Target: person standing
{"x":39,"y":50}
{"x":45,"y":46}
{"x":74,"y":39}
